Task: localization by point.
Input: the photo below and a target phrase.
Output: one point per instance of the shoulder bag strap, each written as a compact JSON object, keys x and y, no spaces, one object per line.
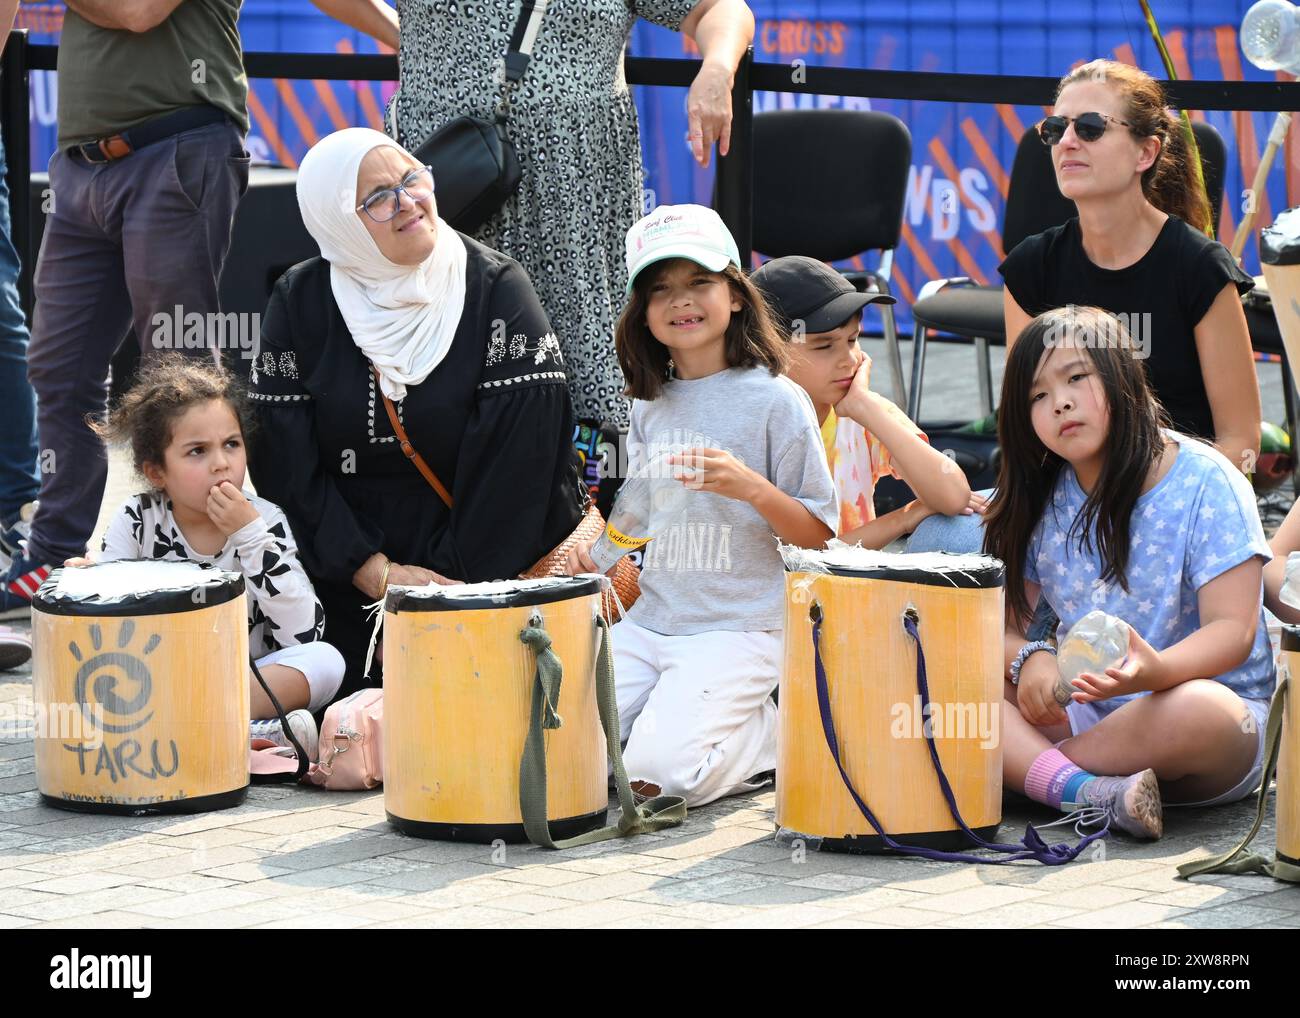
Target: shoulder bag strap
{"x":408,"y":450}
{"x":519,"y":53}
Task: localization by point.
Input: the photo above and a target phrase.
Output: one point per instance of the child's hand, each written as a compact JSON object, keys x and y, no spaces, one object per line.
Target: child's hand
{"x":1035,"y":694}
{"x":580,"y":560}
{"x":717,"y":472}
{"x":229,"y":509}
{"x":859,"y":403}
{"x":913,"y":513}
{"x":977,"y":504}
{"x":78,"y":561}
{"x":1142,"y":670}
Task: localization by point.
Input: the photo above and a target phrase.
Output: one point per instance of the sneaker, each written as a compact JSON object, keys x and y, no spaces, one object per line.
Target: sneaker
{"x":1132,"y":803}
{"x":301,"y":723}
{"x":15,"y":648}
{"x":16,"y":530}
{"x":19,"y":585}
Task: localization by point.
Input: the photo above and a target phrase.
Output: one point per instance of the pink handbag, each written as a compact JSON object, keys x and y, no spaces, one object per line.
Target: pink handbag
{"x":352,"y":743}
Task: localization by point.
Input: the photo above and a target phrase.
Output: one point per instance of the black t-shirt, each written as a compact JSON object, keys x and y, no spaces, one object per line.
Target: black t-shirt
{"x":1161,"y":298}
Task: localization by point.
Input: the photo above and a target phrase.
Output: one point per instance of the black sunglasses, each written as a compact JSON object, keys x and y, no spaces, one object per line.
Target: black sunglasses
{"x":1088,"y":126}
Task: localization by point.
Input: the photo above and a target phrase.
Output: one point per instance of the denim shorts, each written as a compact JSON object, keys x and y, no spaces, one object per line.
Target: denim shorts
{"x":1085,"y":715}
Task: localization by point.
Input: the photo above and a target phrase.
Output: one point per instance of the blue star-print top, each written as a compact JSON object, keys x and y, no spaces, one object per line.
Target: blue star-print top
{"x":1198,"y":522}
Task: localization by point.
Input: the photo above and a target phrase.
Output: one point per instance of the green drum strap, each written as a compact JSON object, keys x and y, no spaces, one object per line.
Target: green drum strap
{"x":655,"y":814}
{"x":1253,"y":862}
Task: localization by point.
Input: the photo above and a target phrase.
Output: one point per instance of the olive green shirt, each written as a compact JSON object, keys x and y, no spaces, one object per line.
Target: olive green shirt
{"x":110,"y":80}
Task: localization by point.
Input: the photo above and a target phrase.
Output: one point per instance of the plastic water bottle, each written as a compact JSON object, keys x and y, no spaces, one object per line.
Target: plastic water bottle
{"x":1096,"y":642}
{"x":648,"y":503}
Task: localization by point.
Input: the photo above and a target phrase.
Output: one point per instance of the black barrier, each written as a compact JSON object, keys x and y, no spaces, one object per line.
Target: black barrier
{"x":734,"y":189}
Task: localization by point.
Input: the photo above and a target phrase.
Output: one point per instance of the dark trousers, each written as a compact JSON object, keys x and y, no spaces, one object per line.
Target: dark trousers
{"x":126,"y":241}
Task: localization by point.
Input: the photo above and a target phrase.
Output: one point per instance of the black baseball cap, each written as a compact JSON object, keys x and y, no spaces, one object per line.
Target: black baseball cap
{"x":799,"y":288}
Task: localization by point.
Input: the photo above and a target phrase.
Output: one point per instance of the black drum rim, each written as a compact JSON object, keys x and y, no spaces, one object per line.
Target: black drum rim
{"x":568,"y":589}
{"x":163,"y":601}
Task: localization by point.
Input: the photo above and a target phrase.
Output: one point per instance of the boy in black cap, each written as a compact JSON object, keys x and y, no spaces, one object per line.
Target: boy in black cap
{"x":866,"y":436}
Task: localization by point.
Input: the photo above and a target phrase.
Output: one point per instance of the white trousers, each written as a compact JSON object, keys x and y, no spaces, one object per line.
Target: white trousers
{"x":696,"y":711}
{"x":320,"y":662}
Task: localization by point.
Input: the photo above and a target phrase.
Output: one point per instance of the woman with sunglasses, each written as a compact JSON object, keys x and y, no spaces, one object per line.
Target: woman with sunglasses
{"x":1139,"y":249}
{"x":402,"y":315}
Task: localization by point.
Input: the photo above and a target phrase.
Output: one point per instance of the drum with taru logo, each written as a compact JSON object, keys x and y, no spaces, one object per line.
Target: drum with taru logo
{"x":140,"y":683}
{"x":1288,"y":759}
{"x":848,"y":609}
{"x":458,"y":684}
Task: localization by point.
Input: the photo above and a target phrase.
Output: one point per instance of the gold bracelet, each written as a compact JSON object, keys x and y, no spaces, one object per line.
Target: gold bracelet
{"x":383,"y":577}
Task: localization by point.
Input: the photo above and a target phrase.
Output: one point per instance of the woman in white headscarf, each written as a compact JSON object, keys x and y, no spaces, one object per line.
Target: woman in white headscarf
{"x":400,"y":307}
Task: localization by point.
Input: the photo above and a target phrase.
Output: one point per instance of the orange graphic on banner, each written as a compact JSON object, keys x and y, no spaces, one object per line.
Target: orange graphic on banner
{"x":290,"y":99}
{"x":1012,"y":120}
{"x":988,"y":159}
{"x":332,"y":109}
{"x":964,"y":258}
{"x":370,"y":108}
{"x":1174,"y":42}
{"x":266,"y":124}
{"x":1225,"y":41}
{"x":920,"y":254}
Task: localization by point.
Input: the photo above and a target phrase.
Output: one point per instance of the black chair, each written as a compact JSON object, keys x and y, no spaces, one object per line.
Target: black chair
{"x":959,"y":310}
{"x":831,"y":184}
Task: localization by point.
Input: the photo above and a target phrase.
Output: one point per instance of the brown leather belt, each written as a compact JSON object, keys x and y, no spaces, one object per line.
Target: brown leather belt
{"x":118,"y":146}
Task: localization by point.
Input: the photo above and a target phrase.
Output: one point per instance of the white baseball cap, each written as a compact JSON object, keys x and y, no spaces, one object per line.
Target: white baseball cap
{"x":680,"y":231}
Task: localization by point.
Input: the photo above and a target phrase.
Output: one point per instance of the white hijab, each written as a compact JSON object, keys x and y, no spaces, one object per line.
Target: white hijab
{"x":402,"y":317}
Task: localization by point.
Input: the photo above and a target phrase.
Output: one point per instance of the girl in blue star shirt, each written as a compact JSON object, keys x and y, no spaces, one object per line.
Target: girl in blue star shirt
{"x":1099,"y":506}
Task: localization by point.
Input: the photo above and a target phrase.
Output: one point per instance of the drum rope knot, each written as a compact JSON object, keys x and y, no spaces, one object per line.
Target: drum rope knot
{"x":549,"y":672}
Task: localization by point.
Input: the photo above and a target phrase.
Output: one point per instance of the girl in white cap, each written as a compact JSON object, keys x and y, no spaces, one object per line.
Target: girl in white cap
{"x":698,"y":656}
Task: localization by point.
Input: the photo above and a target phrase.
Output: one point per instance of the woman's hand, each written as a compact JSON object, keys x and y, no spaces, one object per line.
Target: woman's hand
{"x":78,"y":562}
{"x":369,"y":579}
{"x":418,"y":576}
{"x":1035,"y":695}
{"x":228,"y":509}
{"x":1142,"y":670}
{"x":717,"y":472}
{"x":708,"y":111}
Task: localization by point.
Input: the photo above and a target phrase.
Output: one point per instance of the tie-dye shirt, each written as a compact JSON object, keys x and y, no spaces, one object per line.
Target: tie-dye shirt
{"x":858,"y":459}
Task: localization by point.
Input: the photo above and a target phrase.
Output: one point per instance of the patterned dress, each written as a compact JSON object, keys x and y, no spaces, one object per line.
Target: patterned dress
{"x":574,"y":125}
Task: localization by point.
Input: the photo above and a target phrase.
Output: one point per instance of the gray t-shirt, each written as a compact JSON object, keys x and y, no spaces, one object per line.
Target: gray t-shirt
{"x":717,"y":567}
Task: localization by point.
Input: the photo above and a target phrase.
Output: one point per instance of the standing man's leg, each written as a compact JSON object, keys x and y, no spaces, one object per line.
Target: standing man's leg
{"x":20,"y":479}
{"x":82,"y":314}
{"x":176,"y":233}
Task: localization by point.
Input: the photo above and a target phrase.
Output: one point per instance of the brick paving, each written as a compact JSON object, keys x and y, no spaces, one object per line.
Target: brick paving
{"x":304,"y":857}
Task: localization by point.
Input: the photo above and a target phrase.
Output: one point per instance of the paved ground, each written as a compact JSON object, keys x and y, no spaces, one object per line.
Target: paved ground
{"x":305,"y":857}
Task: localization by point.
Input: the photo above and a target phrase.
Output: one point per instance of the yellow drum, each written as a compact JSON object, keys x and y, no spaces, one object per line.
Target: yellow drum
{"x":870,"y":663}
{"x":1288,"y":760}
{"x":140,"y":676}
{"x":457,"y":694}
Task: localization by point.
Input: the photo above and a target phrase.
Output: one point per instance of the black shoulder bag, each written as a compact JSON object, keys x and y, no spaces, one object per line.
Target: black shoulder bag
{"x":475,"y":167}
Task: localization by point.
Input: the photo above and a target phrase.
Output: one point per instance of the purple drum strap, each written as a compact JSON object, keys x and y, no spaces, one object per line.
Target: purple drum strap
{"x":1031,"y":846}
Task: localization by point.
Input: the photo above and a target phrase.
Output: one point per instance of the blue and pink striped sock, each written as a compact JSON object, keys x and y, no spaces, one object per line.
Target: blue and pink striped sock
{"x":1053,"y":779}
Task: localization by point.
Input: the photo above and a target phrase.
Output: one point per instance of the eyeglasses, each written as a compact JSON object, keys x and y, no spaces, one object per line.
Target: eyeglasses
{"x":383,"y":205}
{"x":1088,"y":126}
